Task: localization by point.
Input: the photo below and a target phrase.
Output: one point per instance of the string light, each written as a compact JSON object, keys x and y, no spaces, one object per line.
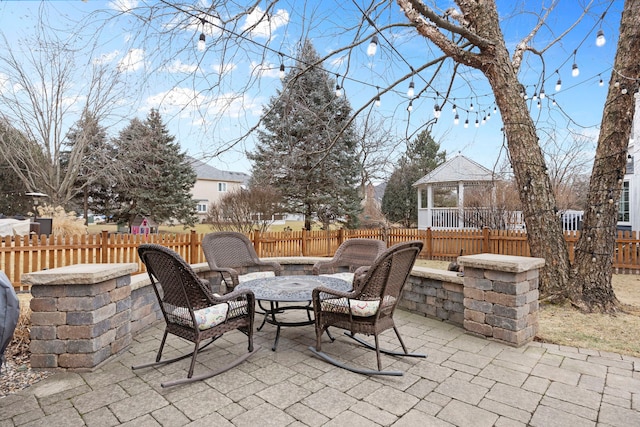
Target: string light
{"x":600,"y":83}
{"x":373,"y":46}
{"x":477,"y":122}
{"x":542,"y":94}
{"x":411,"y":90}
{"x":436,"y":111}
{"x":454,"y":110}
{"x":282,"y":74}
{"x":456,"y":119}
{"x":575,"y":71}
{"x":466,"y":122}
{"x":410,"y":107}
{"x":202,"y":42}
{"x":558,"y":83}
{"x":484,"y":120}
{"x":338,"y":91}
{"x":600,"y":40}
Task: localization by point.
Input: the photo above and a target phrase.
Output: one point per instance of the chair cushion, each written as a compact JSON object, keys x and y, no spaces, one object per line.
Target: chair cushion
{"x":356,"y":307}
{"x":346,"y":276}
{"x":206,"y":318}
{"x":255,"y":275}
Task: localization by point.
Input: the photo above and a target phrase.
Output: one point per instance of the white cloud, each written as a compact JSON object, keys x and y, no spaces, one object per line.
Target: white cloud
{"x":264,"y":25}
{"x":132,"y":61}
{"x":224,"y":69}
{"x":105,"y":58}
{"x":178,"y":66}
{"x":198,"y":108}
{"x":265,"y":70}
{"x":123,"y":5}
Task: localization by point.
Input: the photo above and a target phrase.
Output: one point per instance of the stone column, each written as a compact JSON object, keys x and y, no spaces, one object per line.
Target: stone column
{"x":501,"y":296}
{"x":80,"y":314}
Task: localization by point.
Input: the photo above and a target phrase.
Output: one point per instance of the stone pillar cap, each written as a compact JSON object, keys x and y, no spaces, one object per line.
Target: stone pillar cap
{"x":79,"y":274}
{"x":508,"y":263}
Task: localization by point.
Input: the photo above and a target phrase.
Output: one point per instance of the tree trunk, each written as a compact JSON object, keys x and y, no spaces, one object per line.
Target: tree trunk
{"x":544,"y":230}
{"x":590,"y":284}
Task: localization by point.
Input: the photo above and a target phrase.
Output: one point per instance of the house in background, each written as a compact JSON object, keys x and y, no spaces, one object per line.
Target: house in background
{"x":629,"y":206}
{"x":212,"y":183}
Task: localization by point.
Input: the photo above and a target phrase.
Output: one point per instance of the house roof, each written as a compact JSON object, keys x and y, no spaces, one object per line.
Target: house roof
{"x":208,"y":172}
{"x":457,"y":169}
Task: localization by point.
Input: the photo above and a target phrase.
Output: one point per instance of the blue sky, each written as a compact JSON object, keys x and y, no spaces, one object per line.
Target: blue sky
{"x":207,"y":112}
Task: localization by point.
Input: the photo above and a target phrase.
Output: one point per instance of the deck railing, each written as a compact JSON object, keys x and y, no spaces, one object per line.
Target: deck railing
{"x":19,"y":255}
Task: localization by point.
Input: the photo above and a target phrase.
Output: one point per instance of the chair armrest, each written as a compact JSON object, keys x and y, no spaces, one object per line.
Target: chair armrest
{"x":275,"y":265}
{"x":320,"y":265}
{"x":230,"y":271}
{"x":339,"y":294}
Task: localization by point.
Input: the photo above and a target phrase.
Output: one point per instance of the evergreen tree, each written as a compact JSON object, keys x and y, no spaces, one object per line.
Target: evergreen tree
{"x":400,"y":199}
{"x":303,"y":150}
{"x":156,"y":177}
{"x":94,"y":171}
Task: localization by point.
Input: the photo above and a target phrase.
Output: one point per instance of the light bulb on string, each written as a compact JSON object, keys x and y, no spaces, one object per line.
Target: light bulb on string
{"x":477,"y":122}
{"x":539,"y":105}
{"x":600,"y":40}
{"x":282,"y":73}
{"x":373,"y":46}
{"x":616,"y":84}
{"x":601,"y":82}
{"x":489,"y":116}
{"x":436,"y":111}
{"x":495,"y":110}
{"x":535,"y":96}
{"x":575,"y":71}
{"x":456,"y":119}
{"x":202,"y":42}
{"x":454,"y":110}
{"x":484,"y":120}
{"x":558,"y":83}
{"x":466,"y":123}
{"x":543,"y":95}
{"x":378,"y":102}
{"x":410,"y":107}
{"x":471,"y":107}
{"x":338,"y":91}
{"x":411,"y":90}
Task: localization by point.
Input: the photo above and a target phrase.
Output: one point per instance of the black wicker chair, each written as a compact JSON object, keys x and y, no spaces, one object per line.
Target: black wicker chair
{"x":369,"y":308}
{"x":192,"y":312}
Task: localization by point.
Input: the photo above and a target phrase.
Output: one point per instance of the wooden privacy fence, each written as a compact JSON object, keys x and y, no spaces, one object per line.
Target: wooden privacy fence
{"x":25,"y":254}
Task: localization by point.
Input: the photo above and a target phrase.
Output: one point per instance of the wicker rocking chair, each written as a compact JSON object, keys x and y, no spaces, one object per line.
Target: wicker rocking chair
{"x":192,"y":312}
{"x":369,"y":308}
{"x":351,"y":255}
{"x":232,"y":255}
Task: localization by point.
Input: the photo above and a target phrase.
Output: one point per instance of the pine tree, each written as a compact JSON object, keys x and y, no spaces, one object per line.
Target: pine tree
{"x":303,"y":150}
{"x":156,"y":178}
{"x":400,"y":199}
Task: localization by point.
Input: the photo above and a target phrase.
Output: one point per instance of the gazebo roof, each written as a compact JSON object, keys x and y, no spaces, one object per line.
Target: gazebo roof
{"x":457,"y":169}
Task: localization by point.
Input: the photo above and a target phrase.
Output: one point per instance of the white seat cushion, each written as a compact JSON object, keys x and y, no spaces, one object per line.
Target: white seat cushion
{"x":346,"y":276}
{"x":356,"y":307}
{"x":206,"y":318}
{"x":255,"y":275}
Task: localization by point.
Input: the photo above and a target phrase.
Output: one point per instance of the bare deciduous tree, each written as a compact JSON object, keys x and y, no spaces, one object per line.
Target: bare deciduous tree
{"x":45,"y":89}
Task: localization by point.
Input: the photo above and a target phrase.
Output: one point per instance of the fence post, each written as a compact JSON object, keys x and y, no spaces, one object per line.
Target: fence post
{"x":193,"y":247}
{"x":486,"y":248}
{"x":429,"y":243}
{"x":104,"y":246}
{"x":304,"y":242}
{"x":257,"y":244}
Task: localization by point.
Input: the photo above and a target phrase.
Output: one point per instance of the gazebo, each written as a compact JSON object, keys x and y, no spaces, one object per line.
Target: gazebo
{"x":441,"y":194}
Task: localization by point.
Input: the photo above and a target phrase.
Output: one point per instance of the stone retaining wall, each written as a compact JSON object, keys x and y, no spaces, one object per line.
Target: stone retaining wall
{"x":86,"y":313}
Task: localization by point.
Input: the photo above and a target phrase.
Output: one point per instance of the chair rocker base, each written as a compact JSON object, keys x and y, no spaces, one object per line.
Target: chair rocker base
{"x":211,"y":374}
{"x":331,"y":360}
{"x":389,"y":352}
